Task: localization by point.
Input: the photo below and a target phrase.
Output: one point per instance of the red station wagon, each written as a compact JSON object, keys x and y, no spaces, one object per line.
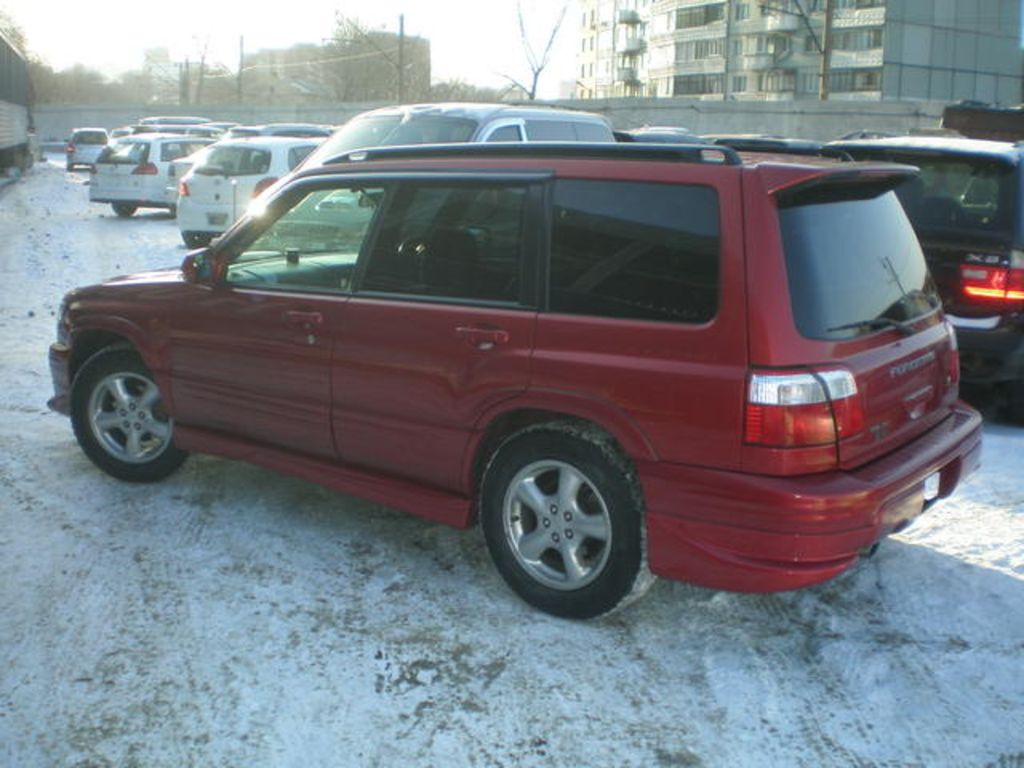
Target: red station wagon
{"x":621,"y":360}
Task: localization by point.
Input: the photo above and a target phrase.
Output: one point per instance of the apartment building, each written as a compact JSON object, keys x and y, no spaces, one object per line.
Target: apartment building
{"x":943,"y":50}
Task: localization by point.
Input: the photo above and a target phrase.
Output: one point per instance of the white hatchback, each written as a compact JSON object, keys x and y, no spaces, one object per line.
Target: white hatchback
{"x":220,"y":186}
{"x":132,"y":174}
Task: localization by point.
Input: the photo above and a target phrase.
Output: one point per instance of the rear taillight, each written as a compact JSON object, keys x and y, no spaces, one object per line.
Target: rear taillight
{"x":145,"y":169}
{"x":183,"y":189}
{"x":787,"y":409}
{"x":70,"y":149}
{"x":994,"y":282}
{"x":262,"y":185}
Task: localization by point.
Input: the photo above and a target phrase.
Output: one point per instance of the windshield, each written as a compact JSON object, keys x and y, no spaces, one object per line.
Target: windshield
{"x":854,"y":267}
{"x":393,"y":130}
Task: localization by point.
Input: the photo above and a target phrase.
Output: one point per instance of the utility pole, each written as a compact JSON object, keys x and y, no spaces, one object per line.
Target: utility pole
{"x":241,"y":62}
{"x":826,"y":52}
{"x":401,"y":58}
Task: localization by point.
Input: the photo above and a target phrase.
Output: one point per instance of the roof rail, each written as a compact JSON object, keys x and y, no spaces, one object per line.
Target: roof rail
{"x":684,"y":153}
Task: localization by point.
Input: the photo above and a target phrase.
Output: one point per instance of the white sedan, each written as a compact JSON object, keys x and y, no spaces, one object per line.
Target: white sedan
{"x":222,"y":183}
{"x":132,"y":173}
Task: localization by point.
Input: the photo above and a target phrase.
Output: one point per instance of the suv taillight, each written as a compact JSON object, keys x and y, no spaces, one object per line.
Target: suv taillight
{"x":954,"y":354}
{"x":70,"y":149}
{"x":183,"y":189}
{"x":995,"y":283}
{"x":790,"y":409}
{"x":145,"y":169}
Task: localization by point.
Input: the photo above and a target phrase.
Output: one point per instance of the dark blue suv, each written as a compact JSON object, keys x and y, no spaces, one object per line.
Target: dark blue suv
{"x":966,"y":208}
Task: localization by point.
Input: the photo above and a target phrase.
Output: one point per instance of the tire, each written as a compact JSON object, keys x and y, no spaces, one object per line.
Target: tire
{"x":124,"y":210}
{"x":563,"y":521}
{"x":119,"y":420}
{"x":1015,"y":401}
{"x":196,"y":239}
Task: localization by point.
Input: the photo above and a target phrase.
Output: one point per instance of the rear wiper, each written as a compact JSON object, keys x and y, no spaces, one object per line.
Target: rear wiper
{"x":875,"y":323}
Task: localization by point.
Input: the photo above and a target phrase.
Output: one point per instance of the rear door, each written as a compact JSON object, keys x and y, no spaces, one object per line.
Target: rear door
{"x":441,"y":327}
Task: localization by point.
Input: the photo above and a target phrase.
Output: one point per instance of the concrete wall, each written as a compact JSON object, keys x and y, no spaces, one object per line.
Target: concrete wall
{"x":800,"y":119}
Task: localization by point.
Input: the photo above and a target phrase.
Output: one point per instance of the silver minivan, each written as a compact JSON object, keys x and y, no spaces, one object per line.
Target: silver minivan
{"x":84,"y":147}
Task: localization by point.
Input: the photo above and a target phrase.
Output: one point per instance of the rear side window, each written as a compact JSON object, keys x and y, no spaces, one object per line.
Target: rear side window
{"x":456,"y":241}
{"x":635,"y":250}
{"x":505,"y":133}
{"x":297,"y":154}
{"x":174,"y":150}
{"x":549,"y":130}
{"x":854,"y":266}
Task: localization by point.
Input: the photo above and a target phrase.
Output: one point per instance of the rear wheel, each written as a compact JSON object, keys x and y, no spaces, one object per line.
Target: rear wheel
{"x":119,"y":418}
{"x":124,"y":210}
{"x":564,"y":522}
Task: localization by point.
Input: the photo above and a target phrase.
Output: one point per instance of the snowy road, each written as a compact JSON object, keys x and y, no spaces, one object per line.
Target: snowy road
{"x":231,"y":617}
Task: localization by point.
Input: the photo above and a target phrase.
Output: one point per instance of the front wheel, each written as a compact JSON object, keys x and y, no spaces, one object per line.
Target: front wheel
{"x":564,"y":522}
{"x":119,"y":418}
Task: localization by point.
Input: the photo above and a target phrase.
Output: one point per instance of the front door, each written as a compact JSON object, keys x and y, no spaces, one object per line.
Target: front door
{"x":250,"y":356}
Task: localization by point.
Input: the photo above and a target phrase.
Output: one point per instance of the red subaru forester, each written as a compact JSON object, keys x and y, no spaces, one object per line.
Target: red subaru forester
{"x":621,"y":360}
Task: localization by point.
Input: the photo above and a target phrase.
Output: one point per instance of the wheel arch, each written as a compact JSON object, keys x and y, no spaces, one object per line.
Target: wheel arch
{"x":88,"y":341}
{"x":621,"y":436}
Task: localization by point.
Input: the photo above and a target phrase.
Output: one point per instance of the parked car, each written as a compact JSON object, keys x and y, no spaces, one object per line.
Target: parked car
{"x":222,"y":182}
{"x":613,"y":356}
{"x":84,"y":146}
{"x":653,"y":134}
{"x":173,"y":120}
{"x":299,"y":130}
{"x":966,"y":207}
{"x":457,"y":123}
{"x":132,"y":174}
{"x":178,"y":169}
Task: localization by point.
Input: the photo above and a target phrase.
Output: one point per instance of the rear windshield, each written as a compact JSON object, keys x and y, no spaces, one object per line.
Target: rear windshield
{"x":235,"y":161}
{"x":129,"y":153}
{"x":393,"y":130}
{"x":89,"y":137}
{"x":174,"y":150}
{"x":854,"y":267}
{"x":960,"y":195}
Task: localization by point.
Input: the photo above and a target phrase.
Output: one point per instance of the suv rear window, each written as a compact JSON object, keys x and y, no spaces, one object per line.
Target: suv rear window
{"x":235,"y":161}
{"x":854,"y":266}
{"x":960,"y":194}
{"x":635,"y":250}
{"x":89,"y":137}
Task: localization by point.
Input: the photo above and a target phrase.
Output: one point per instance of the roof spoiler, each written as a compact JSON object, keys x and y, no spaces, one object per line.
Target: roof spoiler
{"x":853,"y":181}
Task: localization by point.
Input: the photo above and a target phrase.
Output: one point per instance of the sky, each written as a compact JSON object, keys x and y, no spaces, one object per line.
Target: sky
{"x":473,"y":41}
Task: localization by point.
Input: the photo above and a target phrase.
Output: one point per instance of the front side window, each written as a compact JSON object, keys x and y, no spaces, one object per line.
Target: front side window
{"x":635,"y":250}
{"x":460,"y":241}
{"x":313,"y":246}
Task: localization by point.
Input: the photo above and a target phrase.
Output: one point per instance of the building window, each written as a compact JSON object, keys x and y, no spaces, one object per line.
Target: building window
{"x":858,"y":39}
{"x":695,"y":50}
{"x":697,"y":85}
{"x":699,"y":16}
{"x":741,"y":12}
{"x":739,"y":83}
{"x":777,"y":81}
{"x":854,"y":80}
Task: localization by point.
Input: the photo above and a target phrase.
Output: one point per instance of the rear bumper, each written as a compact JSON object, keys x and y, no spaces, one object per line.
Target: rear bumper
{"x":753,"y":533}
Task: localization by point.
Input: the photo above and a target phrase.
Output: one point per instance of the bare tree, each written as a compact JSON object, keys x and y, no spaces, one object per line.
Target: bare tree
{"x":537,"y":63}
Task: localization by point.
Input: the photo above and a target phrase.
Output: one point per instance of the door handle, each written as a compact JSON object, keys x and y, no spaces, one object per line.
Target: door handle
{"x":482,"y":338}
{"x":307,"y":321}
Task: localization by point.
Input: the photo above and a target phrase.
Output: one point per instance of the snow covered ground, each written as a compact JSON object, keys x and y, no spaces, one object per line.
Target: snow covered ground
{"x":232,"y":617}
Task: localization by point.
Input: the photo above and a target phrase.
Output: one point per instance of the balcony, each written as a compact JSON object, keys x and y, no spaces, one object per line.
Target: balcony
{"x":632,"y":46}
{"x":759,"y":61}
{"x":629,"y":16}
{"x":627,"y":75}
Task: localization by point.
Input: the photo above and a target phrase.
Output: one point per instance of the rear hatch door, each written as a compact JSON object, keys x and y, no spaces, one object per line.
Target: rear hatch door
{"x":115,"y":177}
{"x":863,"y":300}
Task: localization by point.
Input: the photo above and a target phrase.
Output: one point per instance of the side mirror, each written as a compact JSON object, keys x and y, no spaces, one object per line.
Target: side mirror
{"x":198,"y":266}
